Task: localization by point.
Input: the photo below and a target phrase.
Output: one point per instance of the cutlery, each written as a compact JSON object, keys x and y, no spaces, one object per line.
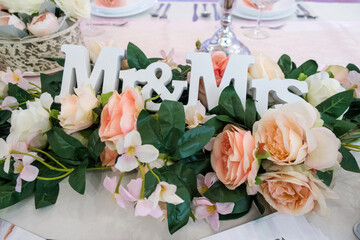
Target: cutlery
{"x":299,"y":14}
{"x":195,"y":16}
{"x":216,"y":15}
{"x":164,"y":16}
{"x":205,"y":13}
{"x":156,"y":13}
{"x":269,"y":27}
{"x":306,"y":12}
{"x":108,"y":24}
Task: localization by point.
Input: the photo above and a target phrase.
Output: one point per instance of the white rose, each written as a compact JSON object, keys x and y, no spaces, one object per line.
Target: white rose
{"x":22,"y":6}
{"x":30,"y":124}
{"x":43,"y":25}
{"x":76,"y":110}
{"x":321,"y":87}
{"x":3,"y":86}
{"x":75,"y":8}
{"x":11,"y":20}
{"x":265,"y":67}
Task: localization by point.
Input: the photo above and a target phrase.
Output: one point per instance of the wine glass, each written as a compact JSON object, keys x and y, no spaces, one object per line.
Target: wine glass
{"x":88,"y":27}
{"x":224,"y":39}
{"x":257,"y":33}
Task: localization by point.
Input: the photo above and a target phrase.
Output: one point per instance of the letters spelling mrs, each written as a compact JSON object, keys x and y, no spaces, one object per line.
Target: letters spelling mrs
{"x":106,"y":73}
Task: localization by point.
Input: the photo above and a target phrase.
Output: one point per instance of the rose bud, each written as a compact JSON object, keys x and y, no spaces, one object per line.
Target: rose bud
{"x":7,"y":19}
{"x":45,"y":24}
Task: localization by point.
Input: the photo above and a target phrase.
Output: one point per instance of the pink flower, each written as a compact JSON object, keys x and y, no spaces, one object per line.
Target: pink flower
{"x":205,"y":209}
{"x":16,"y":77}
{"x":204,"y":183}
{"x":219,"y":61}
{"x":353,"y":80}
{"x":95,"y":47}
{"x":293,"y":134}
{"x":27,"y":171}
{"x":12,"y":143}
{"x":265,"y":67}
{"x":168,"y":59}
{"x":165,"y":192}
{"x":111,"y":3}
{"x":108,"y":157}
{"x":132,"y":151}
{"x":43,"y":25}
{"x":294,"y":191}
{"x":232,"y":157}
{"x":119,"y":115}
{"x":340,"y":73}
{"x":76,"y":110}
{"x":9,"y":103}
{"x":7,"y":19}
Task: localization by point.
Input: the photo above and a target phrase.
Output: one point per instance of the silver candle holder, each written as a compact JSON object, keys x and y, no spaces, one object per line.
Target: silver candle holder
{"x":224,"y":39}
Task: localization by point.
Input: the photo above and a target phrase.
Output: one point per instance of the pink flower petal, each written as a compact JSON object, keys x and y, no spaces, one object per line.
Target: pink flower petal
{"x":127,"y":196}
{"x":146,"y":153}
{"x":224,"y":208}
{"x":132,"y":139}
{"x":201,"y":212}
{"x":144,"y":207}
{"x":134,"y":187}
{"x":210,"y":179}
{"x":110,"y":184}
{"x":126,"y":164}
{"x":214,"y":222}
{"x":18,"y":184}
{"x":157,"y":212}
{"x":29,"y":173}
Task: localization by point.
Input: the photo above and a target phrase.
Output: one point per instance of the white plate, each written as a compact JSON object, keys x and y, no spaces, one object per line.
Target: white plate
{"x":281,"y":9}
{"x":142,"y":6}
{"x":288,"y":13}
{"x":130,"y":6}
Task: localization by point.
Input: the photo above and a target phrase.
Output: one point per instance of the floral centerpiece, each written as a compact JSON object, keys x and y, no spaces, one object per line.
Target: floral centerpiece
{"x":191,"y":163}
{"x":31,"y":31}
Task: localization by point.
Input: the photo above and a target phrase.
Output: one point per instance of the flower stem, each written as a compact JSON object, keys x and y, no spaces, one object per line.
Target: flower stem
{"x":47,"y":154}
{"x":150,"y":99}
{"x":98,"y":168}
{"x":157,"y":177}
{"x":31,"y":83}
{"x":17,"y":105}
{"x":143,"y":181}
{"x":118,"y":184}
{"x":55,"y":178}
{"x":42,"y":162}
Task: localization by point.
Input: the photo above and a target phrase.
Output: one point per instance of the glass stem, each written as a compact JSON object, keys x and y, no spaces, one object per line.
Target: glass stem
{"x":258,"y":21}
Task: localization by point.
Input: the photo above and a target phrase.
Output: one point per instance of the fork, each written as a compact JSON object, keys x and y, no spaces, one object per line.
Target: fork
{"x":156,"y":13}
{"x":164,"y":16}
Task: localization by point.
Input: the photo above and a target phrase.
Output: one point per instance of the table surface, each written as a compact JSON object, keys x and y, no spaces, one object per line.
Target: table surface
{"x":331,"y":39}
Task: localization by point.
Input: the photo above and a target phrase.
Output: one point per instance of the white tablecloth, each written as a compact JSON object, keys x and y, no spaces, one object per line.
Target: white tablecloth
{"x":332,"y":39}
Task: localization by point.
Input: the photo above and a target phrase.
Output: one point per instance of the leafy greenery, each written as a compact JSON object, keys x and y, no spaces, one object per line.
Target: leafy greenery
{"x":335,"y":106}
{"x":51,"y":83}
{"x":326,"y":177}
{"x":135,"y":57}
{"x":348,"y":161}
{"x":291,"y":71}
{"x":20,"y":94}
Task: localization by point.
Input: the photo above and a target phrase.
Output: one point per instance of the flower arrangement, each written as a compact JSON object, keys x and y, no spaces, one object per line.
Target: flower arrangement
{"x":191,"y":163}
{"x":25,"y":19}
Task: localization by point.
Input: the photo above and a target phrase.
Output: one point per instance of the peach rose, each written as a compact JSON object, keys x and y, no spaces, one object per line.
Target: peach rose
{"x":43,"y":25}
{"x":7,"y":19}
{"x":219,"y":61}
{"x":76,"y":110}
{"x":340,"y":73}
{"x":265,"y":67}
{"x":120,"y":114}
{"x":108,"y":157}
{"x":293,"y":134}
{"x":295,"y":192}
{"x":232,"y":157}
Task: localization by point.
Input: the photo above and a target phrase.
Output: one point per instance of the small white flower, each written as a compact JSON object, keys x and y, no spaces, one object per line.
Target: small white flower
{"x":11,"y":143}
{"x":131,"y":150}
{"x":195,"y":115}
{"x":165,"y":192}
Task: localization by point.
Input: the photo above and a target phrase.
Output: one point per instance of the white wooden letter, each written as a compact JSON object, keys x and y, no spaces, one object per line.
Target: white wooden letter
{"x":202,"y":68}
{"x":77,"y":69}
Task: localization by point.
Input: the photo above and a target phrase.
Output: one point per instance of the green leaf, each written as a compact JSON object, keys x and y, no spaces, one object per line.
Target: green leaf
{"x":250,"y":113}
{"x":342,"y":127}
{"x":105,"y":98}
{"x":149,"y":129}
{"x":348,"y":161}
{"x":135,"y":57}
{"x":46,"y":193}
{"x":354,"y":111}
{"x":336,"y":105}
{"x":8,"y":195}
{"x":95,"y":145}
{"x":258,"y":180}
{"x":230,"y":104}
{"x":193,"y":141}
{"x":285,"y":64}
{"x":60,"y":61}
{"x":216,"y":123}
{"x":353,"y":67}
{"x":77,"y":179}
{"x":54,"y":113}
{"x":10,"y":175}
{"x":232,"y":216}
{"x":63,"y":144}
{"x":20,"y":94}
{"x":309,"y":68}
{"x":226,"y":119}
{"x":4,"y":116}
{"x":51,"y":83}
{"x":218,"y":192}
{"x":325,"y":177}
{"x":151,"y":181}
{"x":178,"y":215}
{"x":199,"y":163}
{"x":258,"y":204}
{"x":172,"y":123}
{"x":186,"y":176}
